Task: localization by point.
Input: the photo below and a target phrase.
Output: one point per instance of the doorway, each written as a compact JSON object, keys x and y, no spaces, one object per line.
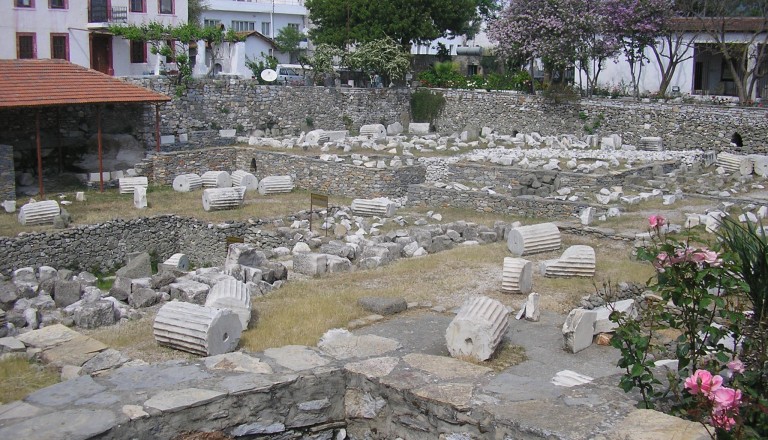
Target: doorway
{"x":101,"y":53}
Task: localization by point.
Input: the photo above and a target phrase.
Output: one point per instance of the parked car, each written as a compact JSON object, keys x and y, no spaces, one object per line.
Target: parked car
{"x":289,"y":76}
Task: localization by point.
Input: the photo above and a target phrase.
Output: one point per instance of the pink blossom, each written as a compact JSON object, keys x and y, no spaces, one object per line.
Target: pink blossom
{"x":702,"y":381}
{"x":662,"y":260}
{"x":707,"y":256}
{"x":736,"y":366}
{"x":656,"y":221}
{"x":723,"y":420}
{"x":726,"y":399}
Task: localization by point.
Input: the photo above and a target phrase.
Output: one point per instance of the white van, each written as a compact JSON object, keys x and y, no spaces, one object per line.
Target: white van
{"x":289,"y":75}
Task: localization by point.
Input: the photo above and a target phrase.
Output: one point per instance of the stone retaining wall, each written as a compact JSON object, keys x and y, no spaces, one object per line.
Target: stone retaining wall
{"x":309,"y":173}
{"x":104,"y":247}
{"x":682,"y":126}
{"x":501,"y":176}
{"x":333,"y":178}
{"x":7,"y":174}
{"x":525,"y":206}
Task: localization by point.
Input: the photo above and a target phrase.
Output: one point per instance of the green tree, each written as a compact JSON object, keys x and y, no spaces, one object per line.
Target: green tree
{"x":322,"y":61}
{"x":341,"y":22}
{"x":288,"y":40}
{"x":172,"y":43}
{"x":384,"y":57}
{"x":195,"y":10}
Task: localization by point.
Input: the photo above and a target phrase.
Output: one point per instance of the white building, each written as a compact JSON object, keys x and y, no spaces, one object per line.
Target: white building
{"x":260,"y":21}
{"x":703,"y":72}
{"x":75,"y":30}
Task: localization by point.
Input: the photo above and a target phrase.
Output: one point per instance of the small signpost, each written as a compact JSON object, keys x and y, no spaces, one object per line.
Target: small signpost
{"x":317,"y":201}
{"x":231,"y":240}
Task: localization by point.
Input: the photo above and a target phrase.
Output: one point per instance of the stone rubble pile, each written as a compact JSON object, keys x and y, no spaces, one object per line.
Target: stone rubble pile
{"x":34,"y":299}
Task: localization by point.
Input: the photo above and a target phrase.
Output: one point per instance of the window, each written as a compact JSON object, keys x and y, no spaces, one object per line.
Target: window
{"x":24,"y":3}
{"x":294,"y":26}
{"x":60,"y":46}
{"x":57,"y":4}
{"x":211,"y":23}
{"x":25,"y":46}
{"x":265,"y":28}
{"x":138,"y":6}
{"x":138,"y":52}
{"x":166,"y":6}
{"x":240,"y":26}
{"x":472,"y":69}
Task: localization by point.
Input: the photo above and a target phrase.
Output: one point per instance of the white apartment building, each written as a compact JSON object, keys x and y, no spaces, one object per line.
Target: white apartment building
{"x":76,"y":30}
{"x":262,"y":21}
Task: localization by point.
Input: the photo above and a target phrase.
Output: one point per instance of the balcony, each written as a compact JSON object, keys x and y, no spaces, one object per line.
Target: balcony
{"x":101,"y":15}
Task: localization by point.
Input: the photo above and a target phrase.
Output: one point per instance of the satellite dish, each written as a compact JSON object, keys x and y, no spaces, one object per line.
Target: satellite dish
{"x":268,"y":75}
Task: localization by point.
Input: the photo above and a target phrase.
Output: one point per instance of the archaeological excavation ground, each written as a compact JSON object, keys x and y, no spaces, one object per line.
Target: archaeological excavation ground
{"x":339,"y":271}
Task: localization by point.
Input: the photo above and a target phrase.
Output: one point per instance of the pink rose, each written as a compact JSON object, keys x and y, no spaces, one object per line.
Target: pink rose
{"x":726,"y":399}
{"x":656,"y":221}
{"x":706,"y":256}
{"x":723,"y":420}
{"x":702,"y":381}
{"x":736,"y":366}
{"x":662,"y":260}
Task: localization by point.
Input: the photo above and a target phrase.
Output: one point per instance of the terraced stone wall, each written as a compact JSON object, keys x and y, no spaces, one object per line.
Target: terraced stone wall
{"x":105,"y":246}
{"x":682,"y":126}
{"x":525,"y":206}
{"x":7,"y":175}
{"x":333,"y":178}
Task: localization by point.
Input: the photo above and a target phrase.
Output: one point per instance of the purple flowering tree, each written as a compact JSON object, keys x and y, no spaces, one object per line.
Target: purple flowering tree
{"x":562,"y":33}
{"x":636,"y":25}
{"x":551,"y":30}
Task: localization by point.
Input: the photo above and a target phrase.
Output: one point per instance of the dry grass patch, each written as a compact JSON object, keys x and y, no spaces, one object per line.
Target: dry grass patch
{"x":301,"y":311}
{"x":505,"y":356}
{"x":19,"y":377}
{"x":101,"y":207}
{"x":613,"y":264}
{"x":136,"y":340}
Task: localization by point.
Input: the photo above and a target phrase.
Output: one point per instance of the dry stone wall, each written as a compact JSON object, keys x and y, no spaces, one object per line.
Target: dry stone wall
{"x":307,"y":172}
{"x":682,"y":126}
{"x":7,"y":175}
{"x":526,"y":206}
{"x":334,"y":178}
{"x":105,"y":247}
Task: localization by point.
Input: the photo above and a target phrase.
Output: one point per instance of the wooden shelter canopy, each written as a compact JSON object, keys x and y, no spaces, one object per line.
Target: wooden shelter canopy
{"x":43,"y":83}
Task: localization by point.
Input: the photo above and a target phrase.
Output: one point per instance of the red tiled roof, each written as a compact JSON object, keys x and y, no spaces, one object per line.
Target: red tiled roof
{"x":727,"y":24}
{"x":39,"y":83}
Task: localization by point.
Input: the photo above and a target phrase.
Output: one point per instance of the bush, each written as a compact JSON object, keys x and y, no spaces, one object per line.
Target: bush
{"x":426,"y":105}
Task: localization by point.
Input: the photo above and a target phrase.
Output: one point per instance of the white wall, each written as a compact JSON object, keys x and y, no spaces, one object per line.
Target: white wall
{"x":43,"y":21}
{"x":615,"y":73}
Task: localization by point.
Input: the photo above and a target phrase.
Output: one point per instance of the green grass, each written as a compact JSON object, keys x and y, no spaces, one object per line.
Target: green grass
{"x":19,"y":377}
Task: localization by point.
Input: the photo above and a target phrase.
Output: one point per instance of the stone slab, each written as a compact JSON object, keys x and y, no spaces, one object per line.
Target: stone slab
{"x":48,"y":336}
{"x":645,"y":424}
{"x":17,"y":410}
{"x":177,"y":400}
{"x":342,"y":344}
{"x":296,"y":357}
{"x":375,"y":367}
{"x":72,"y":424}
{"x":445,"y":367}
{"x":458,"y":395}
{"x":248,"y":383}
{"x":64,"y":393}
{"x":76,"y":352}
{"x":237,"y":362}
{"x":155,"y":376}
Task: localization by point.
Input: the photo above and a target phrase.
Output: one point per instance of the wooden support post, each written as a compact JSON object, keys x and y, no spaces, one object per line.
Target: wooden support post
{"x":39,"y":156}
{"x":157,"y":126}
{"x":98,"y":137}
